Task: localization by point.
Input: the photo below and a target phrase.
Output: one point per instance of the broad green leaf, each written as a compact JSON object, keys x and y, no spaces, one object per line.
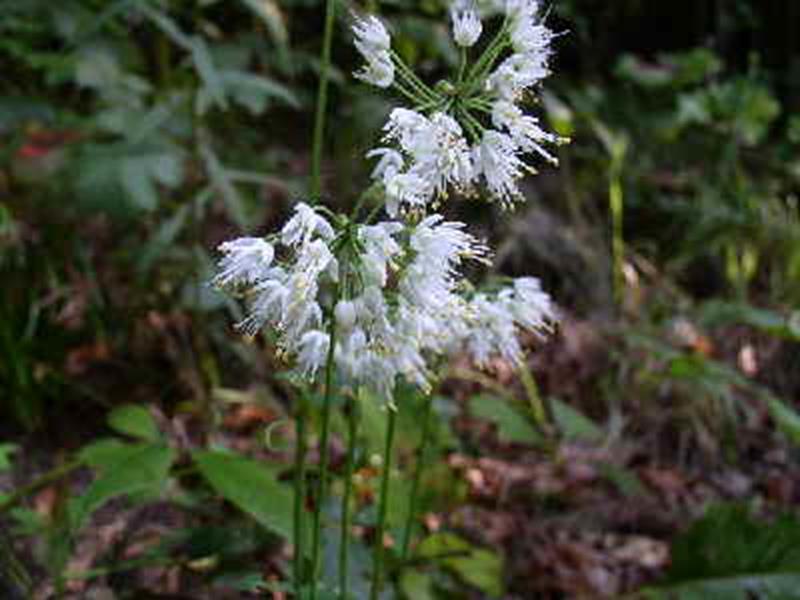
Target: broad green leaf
{"x":573,"y":424}
{"x":476,"y":566}
{"x":135,"y":421}
{"x":250,"y":486}
{"x":416,"y":585}
{"x":129,"y":469}
{"x":512,"y":426}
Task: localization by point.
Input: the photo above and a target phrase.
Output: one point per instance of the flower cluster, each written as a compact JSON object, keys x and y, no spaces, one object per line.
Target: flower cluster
{"x":472,"y":130}
{"x":391,"y":294}
{"x":381,"y":301}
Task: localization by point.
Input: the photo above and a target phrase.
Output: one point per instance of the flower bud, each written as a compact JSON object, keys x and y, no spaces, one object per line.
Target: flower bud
{"x":345,"y":312}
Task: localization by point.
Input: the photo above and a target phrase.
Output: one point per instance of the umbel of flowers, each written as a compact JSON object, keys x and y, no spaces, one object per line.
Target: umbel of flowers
{"x":471,"y":130}
{"x":394,"y":290}
{"x":372,"y":303}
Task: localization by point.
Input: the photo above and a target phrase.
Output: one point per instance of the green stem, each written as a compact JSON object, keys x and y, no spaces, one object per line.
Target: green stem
{"x":299,"y":497}
{"x":344,"y":545}
{"x":322,"y":101}
{"x":322,"y":489}
{"x":616,"y":206}
{"x":378,"y":557}
{"x":412,"y":501}
{"x":484,"y":63}
{"x":462,"y":65}
{"x":407,"y":72}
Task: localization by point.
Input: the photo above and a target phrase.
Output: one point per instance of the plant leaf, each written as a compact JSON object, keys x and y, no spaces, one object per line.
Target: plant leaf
{"x":573,"y":424}
{"x":128,"y":469}
{"x":512,"y":426}
{"x":476,"y":566}
{"x":250,"y":486}
{"x":135,"y":421}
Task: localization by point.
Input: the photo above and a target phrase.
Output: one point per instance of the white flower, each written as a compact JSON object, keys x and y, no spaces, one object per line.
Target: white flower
{"x":389,"y":164}
{"x":246,"y":260}
{"x":267,"y":304}
{"x":467,"y":25}
{"x":406,"y":188}
{"x":497,"y":161}
{"x":313,"y":352}
{"x":438,"y":153}
{"x":404,"y":125}
{"x":345,"y":312}
{"x":305,"y":224}
{"x":380,"y":248}
{"x":523,"y":129}
{"x":532,"y":308}
{"x":374,"y":44}
{"x":372,"y":38}
{"x":516,"y":73}
{"x":378,"y":72}
{"x":441,"y":154}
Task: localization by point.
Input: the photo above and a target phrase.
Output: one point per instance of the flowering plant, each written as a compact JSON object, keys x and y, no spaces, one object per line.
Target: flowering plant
{"x":369,"y":303}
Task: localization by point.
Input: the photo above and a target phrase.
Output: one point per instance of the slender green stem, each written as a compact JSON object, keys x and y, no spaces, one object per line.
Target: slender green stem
{"x":478,"y":70}
{"x":616,"y":207}
{"x":409,"y":95}
{"x":322,"y":101}
{"x":344,"y":545}
{"x":322,"y":488}
{"x":462,"y":65}
{"x":299,"y":496}
{"x":418,"y":468}
{"x":407,"y":72}
{"x":378,"y":557}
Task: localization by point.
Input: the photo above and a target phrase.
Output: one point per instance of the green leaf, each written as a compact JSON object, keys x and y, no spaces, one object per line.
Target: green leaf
{"x":728,"y":554}
{"x":250,"y":486}
{"x":128,"y":469}
{"x":786,"y":418}
{"x":478,"y":567}
{"x":573,"y":424}
{"x":135,"y":421}
{"x":512,"y":426}
{"x":417,"y":586}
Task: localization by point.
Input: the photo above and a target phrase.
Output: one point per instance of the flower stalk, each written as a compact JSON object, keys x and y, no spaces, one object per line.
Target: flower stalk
{"x":344,"y":544}
{"x":379,"y":554}
{"x":418,"y":468}
{"x":324,"y":454}
{"x":298,"y":529}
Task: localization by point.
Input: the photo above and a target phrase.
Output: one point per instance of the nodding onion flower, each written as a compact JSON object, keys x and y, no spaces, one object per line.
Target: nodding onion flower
{"x":467,"y":131}
{"x":395,"y":290}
